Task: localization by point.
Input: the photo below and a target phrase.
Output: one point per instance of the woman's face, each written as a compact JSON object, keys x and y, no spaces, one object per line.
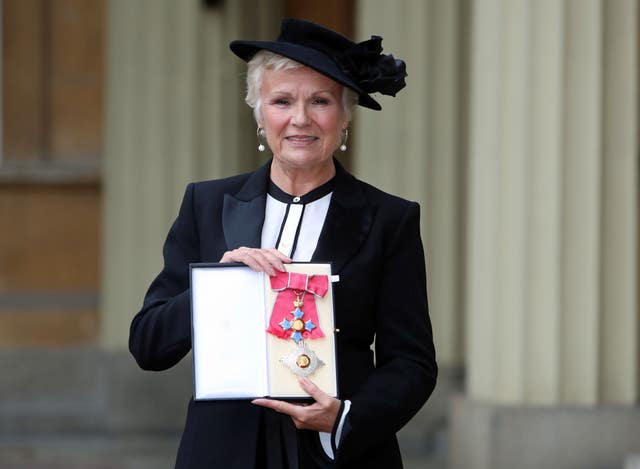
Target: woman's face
{"x":302,"y":116}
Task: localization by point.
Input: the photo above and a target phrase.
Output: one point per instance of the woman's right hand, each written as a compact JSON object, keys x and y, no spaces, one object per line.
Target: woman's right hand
{"x":260,"y":260}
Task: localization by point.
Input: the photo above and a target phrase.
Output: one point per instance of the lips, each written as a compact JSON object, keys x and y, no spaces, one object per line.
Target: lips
{"x":301,"y":138}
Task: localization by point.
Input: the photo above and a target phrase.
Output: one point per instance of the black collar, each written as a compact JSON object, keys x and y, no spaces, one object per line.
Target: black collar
{"x":311,"y":196}
{"x":257,"y":186}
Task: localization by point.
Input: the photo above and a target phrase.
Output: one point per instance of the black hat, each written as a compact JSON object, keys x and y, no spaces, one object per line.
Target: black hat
{"x":361,"y":67}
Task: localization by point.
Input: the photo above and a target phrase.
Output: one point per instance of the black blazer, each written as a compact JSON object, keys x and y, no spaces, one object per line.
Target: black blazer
{"x":373,"y":242}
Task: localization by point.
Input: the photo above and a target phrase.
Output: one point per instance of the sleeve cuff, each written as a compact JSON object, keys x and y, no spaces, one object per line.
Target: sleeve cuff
{"x":341,"y":427}
{"x":331,"y":441}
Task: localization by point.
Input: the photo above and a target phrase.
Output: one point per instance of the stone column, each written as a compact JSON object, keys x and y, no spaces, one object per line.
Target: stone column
{"x":412,"y":148}
{"x":176,"y":113}
{"x":552,"y":237}
{"x":619,"y":377}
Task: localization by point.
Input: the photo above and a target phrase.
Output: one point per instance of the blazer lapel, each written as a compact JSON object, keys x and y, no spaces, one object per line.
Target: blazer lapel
{"x":348,"y":222}
{"x":243,"y":213}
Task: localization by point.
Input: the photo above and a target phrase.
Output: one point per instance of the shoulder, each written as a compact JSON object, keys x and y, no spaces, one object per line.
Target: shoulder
{"x":385,"y":203}
{"x":350,"y":187}
{"x":207,"y":197}
{"x":382,"y":197}
{"x":245,"y":186}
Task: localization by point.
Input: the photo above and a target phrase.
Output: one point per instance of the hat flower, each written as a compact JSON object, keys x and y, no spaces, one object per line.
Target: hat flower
{"x":372,"y":70}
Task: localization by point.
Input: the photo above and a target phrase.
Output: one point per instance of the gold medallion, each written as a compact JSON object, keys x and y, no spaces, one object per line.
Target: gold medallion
{"x":297,"y":325}
{"x":303,"y":361}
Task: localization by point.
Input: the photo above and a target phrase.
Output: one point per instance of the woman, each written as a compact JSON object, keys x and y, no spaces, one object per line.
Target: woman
{"x":302,"y":88}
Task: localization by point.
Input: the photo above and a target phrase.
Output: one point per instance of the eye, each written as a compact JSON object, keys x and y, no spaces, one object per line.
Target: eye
{"x":321,"y":101}
{"x":280,"y":102}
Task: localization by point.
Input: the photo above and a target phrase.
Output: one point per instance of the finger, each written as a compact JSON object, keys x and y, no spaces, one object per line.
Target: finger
{"x":252,"y":258}
{"x":283,"y":257}
{"x":264,"y":264}
{"x":255,"y":263}
{"x":279,"y":406}
{"x":235,"y":255}
{"x":314,"y":391}
{"x":260,"y":260}
{"x":228,"y":256}
{"x":269,"y":259}
{"x":276,"y":259}
{"x":242,"y":250}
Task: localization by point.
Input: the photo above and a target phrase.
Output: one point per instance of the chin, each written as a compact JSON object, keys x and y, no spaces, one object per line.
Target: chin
{"x":305,"y":160}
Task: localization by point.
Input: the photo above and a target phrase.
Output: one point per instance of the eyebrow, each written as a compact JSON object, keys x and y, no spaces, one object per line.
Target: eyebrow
{"x":283,"y":92}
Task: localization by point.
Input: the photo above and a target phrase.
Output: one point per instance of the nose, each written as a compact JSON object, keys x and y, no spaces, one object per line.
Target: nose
{"x":300,"y":116}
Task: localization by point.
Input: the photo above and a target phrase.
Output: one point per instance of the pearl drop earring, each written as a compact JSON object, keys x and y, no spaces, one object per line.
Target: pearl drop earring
{"x":260,"y":135}
{"x":343,"y":147}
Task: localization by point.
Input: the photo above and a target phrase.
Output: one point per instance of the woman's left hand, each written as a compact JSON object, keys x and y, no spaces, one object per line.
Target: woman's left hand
{"x":319,"y":416}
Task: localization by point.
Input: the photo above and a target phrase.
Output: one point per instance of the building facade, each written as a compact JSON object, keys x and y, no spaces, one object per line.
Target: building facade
{"x":517,"y":133}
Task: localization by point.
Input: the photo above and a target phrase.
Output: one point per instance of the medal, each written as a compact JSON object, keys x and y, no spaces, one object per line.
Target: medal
{"x":302,"y":361}
{"x":300,"y":324}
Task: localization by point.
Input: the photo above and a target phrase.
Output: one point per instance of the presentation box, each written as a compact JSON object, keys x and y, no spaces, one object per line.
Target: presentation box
{"x":234,"y":357}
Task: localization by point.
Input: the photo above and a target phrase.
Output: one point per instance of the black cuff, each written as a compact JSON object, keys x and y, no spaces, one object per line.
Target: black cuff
{"x":334,"y":430}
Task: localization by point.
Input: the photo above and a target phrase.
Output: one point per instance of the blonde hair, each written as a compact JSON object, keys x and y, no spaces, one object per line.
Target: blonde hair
{"x":266,"y":60}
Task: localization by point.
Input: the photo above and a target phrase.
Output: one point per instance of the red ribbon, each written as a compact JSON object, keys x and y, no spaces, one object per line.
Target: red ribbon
{"x":287,"y":283}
